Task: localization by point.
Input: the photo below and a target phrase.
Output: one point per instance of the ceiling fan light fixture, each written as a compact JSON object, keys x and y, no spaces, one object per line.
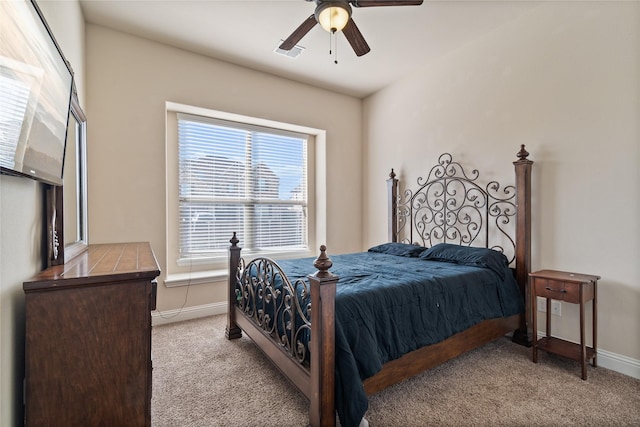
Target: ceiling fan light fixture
{"x":333,"y":16}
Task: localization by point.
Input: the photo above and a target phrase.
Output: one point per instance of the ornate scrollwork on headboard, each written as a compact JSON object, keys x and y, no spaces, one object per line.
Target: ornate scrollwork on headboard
{"x":280,"y":308}
{"x":451,"y":206}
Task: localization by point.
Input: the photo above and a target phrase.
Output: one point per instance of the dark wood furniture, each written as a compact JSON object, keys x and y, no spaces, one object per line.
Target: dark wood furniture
{"x":88,"y":338}
{"x":407,"y":214}
{"x":574,"y":288}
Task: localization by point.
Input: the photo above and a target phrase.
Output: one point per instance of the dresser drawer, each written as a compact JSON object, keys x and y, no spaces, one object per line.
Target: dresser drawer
{"x":558,"y":290}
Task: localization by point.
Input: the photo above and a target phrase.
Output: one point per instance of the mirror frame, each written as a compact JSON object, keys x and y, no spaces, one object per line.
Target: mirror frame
{"x":58,"y":252}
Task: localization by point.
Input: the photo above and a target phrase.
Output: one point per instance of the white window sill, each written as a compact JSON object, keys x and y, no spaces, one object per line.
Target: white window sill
{"x":218,"y":275}
{"x":247,"y":255}
{"x":221,"y":261}
{"x":195,"y":278}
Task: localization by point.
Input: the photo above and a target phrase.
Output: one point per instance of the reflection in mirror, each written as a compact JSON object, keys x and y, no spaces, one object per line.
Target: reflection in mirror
{"x":66,"y":205}
{"x":70,"y":182}
{"x":74,"y":187}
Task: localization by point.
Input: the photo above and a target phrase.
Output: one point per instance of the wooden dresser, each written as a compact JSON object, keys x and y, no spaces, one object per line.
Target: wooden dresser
{"x":88,"y":339}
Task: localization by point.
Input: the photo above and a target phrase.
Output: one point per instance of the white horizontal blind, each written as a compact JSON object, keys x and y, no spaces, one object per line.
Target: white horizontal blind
{"x":14,"y":95}
{"x":242,"y":178}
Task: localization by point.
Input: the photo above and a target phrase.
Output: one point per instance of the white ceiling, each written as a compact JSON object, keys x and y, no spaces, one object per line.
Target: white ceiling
{"x":402,"y":38}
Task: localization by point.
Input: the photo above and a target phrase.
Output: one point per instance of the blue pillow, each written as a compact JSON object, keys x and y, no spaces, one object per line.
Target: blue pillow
{"x":468,"y":255}
{"x":399,"y":249}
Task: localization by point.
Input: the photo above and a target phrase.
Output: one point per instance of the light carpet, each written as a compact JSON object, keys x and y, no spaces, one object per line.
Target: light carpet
{"x":202,"y":379}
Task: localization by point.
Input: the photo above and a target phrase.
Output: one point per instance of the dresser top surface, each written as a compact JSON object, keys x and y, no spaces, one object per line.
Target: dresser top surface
{"x":123,"y":261}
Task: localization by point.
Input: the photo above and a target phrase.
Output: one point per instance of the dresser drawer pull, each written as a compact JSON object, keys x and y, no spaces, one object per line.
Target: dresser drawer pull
{"x":556,"y":290}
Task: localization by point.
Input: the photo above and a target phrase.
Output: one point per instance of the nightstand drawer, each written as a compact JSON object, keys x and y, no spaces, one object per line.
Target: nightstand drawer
{"x":557,"y":290}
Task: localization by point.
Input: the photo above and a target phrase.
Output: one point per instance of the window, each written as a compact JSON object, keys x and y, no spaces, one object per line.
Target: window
{"x":236,"y":177}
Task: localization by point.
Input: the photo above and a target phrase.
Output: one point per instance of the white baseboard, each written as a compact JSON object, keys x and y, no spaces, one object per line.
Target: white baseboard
{"x":616,"y":362}
{"x":619,"y":363}
{"x":188,"y":313}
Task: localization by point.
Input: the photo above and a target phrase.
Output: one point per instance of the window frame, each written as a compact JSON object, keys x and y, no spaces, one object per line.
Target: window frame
{"x":181,"y":269}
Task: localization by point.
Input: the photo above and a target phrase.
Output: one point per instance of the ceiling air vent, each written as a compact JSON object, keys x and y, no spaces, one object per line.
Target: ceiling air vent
{"x":293,"y":53}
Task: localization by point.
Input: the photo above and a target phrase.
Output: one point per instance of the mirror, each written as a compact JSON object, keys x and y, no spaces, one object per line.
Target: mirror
{"x":75,"y":183}
{"x":70,"y":204}
{"x":66,"y":204}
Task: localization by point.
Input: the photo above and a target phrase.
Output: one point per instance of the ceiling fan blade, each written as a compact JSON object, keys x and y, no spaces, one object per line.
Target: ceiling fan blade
{"x":375,"y":3}
{"x":355,"y":38}
{"x":299,"y":33}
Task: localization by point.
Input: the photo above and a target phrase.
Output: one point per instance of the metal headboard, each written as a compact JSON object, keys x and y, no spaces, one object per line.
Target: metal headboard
{"x":451,"y":206}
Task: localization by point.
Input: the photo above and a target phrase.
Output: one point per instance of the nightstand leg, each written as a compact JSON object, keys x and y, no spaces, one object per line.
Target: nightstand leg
{"x":583,"y":347}
{"x":548,"y":317}
{"x":534,"y":327}
{"x":594,"y":306}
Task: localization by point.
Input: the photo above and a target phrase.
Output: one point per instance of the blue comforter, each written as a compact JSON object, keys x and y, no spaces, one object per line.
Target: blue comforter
{"x":388,"y":304}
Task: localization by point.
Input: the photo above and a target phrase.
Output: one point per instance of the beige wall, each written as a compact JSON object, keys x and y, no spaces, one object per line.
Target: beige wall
{"x":21,"y":228}
{"x":130,"y":79}
{"x":20,"y":258}
{"x":564,"y":80}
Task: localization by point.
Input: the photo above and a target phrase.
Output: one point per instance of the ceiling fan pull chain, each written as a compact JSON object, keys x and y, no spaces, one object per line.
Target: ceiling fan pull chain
{"x":335,"y":46}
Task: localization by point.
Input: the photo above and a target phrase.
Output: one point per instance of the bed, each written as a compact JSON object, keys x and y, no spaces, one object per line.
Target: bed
{"x":452,"y":277}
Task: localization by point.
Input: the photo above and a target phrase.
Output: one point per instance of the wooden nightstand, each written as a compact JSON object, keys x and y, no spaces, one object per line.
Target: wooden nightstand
{"x":568,"y":287}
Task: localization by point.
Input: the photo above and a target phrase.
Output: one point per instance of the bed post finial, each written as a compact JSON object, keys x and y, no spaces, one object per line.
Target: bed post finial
{"x":234,"y":240}
{"x":323,"y":263}
{"x":522,"y":154}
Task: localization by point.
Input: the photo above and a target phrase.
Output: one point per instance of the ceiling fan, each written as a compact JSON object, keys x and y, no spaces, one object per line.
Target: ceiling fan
{"x":335,"y":16}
